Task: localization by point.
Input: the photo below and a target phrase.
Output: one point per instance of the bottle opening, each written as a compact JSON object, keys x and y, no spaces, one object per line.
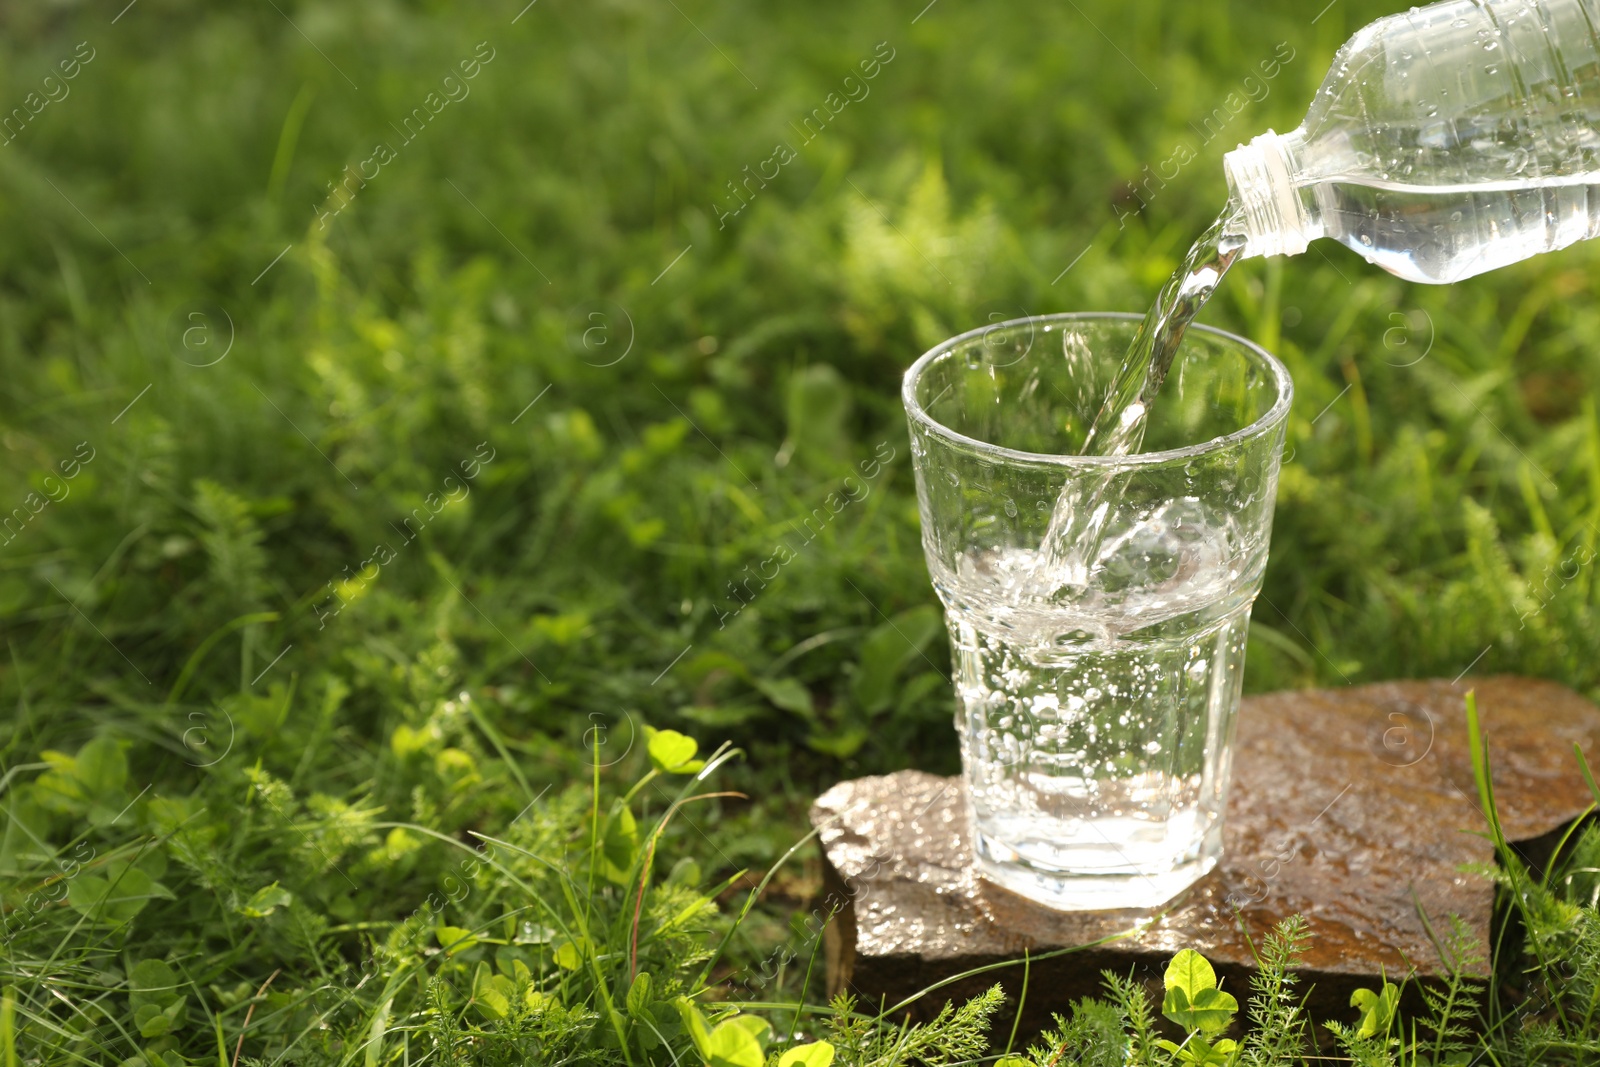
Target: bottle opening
{"x":1261,"y":182}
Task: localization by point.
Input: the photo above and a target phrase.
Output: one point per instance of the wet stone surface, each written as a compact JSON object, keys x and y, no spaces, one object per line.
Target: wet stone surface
{"x":1354,"y":807}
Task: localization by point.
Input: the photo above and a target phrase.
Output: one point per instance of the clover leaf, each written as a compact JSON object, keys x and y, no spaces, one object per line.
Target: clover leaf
{"x":820,"y":1054}
{"x":1193,"y":1000}
{"x":672,"y":752}
{"x":1377,"y":1009}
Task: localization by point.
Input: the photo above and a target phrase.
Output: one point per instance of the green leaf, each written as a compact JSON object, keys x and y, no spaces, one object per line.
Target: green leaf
{"x":153,"y":863}
{"x":376,"y":1033}
{"x":59,"y":789}
{"x":754,"y":1025}
{"x":790,"y":694}
{"x":695,"y":1024}
{"x":733,"y":1044}
{"x":722,"y":716}
{"x":1377,"y":1009}
{"x":152,"y":982}
{"x":102,"y":767}
{"x":672,"y":752}
{"x":685,"y":872}
{"x":177,"y":1012}
{"x":265,"y":901}
{"x":1190,"y":972}
{"x":818,"y":407}
{"x":454,"y":939}
{"x":151,"y":1021}
{"x":87,"y":893}
{"x":696,"y":669}
{"x":639,"y":995}
{"x":1193,"y":1000}
{"x":1197,"y":1052}
{"x":406,"y":740}
{"x":820,"y":1054}
{"x":493,"y":1003}
{"x":1209,"y":1012}
{"x":887,"y":650}
{"x":116,"y":899}
{"x":571,"y":952}
{"x":491,"y":992}
{"x":92,"y":783}
{"x":619,"y":842}
{"x":841,"y":744}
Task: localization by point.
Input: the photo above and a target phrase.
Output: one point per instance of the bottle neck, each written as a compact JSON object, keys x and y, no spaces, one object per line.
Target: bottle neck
{"x":1273,"y":211}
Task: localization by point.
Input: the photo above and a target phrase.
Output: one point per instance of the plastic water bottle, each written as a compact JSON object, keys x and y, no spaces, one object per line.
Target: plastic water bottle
{"x":1445,"y":142}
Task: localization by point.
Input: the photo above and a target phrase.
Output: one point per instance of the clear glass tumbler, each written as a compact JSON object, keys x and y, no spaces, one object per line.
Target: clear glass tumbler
{"x":1097,"y":656}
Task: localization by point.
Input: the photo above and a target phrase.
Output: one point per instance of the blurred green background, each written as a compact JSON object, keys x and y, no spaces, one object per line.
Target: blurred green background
{"x":502,"y":410}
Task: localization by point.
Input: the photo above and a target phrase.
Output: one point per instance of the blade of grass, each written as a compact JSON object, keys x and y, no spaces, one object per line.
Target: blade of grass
{"x":208,"y":644}
{"x":1002,"y":964}
{"x":805,"y":983}
{"x":705,"y":971}
{"x":8,"y":1026}
{"x":647,"y":863}
{"x":499,"y":746}
{"x":1588,"y":777}
{"x":1022,"y":1002}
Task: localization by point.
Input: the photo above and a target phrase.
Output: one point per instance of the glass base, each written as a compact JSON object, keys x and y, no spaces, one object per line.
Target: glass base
{"x":1110,"y":890}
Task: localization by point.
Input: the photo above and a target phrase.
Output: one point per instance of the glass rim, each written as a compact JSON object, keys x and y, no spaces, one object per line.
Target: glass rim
{"x":915,"y":411}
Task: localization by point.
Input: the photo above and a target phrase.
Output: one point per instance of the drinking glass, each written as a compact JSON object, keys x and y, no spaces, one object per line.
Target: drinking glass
{"x":1097,"y":655}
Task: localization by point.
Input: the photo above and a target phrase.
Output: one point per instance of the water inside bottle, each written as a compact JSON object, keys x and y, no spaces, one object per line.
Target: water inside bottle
{"x":1440,"y":234}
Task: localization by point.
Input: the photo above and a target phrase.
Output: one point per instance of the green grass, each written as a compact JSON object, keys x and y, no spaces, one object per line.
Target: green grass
{"x":169,"y":616}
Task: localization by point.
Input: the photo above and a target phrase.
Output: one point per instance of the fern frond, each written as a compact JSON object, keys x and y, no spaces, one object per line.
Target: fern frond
{"x":1278,"y":1034}
{"x":1095,"y":1037}
{"x":1130,"y":999}
{"x":1452,"y":1012}
{"x":1364,"y":1051}
{"x":955,"y":1035}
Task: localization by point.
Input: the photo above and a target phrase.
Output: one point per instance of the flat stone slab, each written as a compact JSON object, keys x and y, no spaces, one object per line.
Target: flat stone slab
{"x":1355,"y":807}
